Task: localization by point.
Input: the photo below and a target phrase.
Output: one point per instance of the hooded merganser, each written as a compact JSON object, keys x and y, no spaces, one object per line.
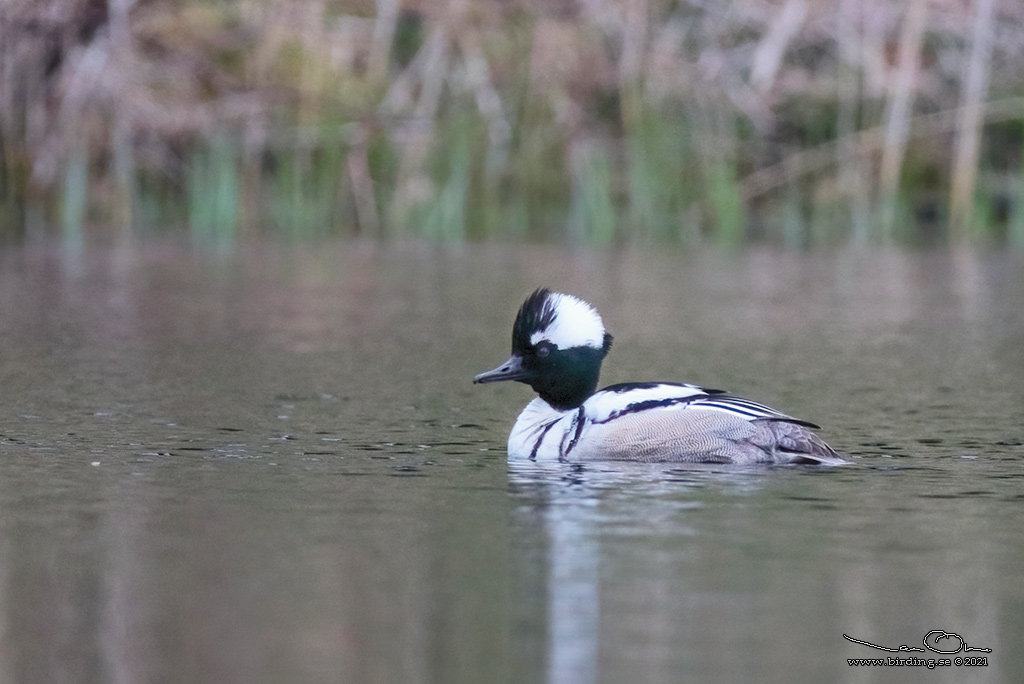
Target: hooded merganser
{"x":558,"y":344}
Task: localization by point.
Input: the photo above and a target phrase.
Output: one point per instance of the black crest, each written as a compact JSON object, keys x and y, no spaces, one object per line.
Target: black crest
{"x":537,"y":313}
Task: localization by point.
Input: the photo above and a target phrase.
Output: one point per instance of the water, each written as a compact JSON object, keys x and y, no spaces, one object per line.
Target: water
{"x":272,"y":466}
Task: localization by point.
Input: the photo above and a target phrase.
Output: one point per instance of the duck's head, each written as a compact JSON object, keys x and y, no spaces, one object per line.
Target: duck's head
{"x":558,"y":343}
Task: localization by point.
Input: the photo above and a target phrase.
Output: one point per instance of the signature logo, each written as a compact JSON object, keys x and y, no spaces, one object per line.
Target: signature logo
{"x":937,"y":641}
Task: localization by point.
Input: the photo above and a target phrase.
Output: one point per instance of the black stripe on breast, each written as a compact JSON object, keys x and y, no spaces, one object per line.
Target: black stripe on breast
{"x":540,"y":440}
{"x":580,"y":421}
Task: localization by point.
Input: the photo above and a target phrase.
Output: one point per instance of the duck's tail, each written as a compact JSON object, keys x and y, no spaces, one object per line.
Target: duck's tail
{"x":794,"y":443}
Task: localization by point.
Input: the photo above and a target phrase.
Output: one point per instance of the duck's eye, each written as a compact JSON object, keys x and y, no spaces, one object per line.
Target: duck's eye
{"x":543,"y":350}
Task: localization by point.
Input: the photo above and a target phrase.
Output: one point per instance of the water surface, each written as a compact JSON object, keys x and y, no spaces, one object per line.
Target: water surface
{"x":272,"y":466}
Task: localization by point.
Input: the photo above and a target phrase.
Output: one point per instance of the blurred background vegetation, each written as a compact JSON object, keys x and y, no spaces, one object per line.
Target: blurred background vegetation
{"x":796,"y":122}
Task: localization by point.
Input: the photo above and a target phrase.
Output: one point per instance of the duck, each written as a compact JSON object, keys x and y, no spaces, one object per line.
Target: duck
{"x":558,"y":345}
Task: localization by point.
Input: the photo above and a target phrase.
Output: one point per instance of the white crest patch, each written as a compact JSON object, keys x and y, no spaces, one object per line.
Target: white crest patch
{"x":576,"y":324}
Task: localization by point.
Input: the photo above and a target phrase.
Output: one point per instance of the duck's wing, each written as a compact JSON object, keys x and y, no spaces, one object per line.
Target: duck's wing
{"x":686,"y":423}
{"x":745,"y":408}
{"x":616,"y":401}
{"x":625,"y":398}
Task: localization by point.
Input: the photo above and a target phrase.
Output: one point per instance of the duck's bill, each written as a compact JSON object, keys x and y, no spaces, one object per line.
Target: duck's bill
{"x":510,"y":370}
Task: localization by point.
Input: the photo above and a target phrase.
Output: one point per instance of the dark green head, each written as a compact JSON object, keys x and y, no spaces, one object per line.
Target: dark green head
{"x":558,"y":344}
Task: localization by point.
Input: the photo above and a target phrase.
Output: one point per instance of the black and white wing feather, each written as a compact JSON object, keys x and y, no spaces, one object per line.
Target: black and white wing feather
{"x":677,"y":422}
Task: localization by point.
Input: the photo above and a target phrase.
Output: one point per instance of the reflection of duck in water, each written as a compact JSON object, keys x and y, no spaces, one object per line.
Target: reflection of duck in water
{"x":558,"y":344}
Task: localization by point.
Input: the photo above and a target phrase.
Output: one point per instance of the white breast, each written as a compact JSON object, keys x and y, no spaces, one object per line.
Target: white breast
{"x":539,"y":432}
